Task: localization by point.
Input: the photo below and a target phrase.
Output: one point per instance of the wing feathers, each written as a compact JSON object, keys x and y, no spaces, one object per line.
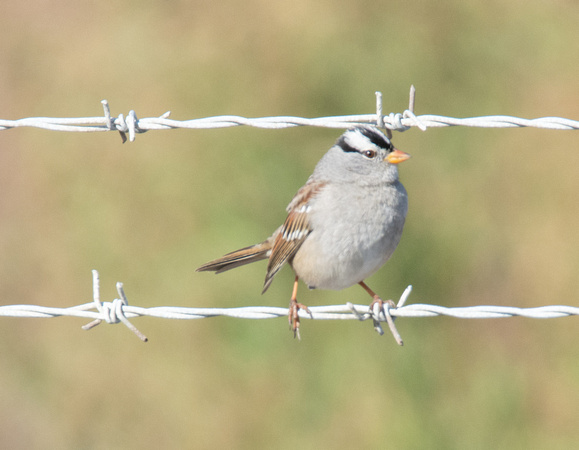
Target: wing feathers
{"x":293,"y":232}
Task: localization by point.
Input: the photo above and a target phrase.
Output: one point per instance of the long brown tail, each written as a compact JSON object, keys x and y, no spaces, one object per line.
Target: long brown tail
{"x":238,"y":258}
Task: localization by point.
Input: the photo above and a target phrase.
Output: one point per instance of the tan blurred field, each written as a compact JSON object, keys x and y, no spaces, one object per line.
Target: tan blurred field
{"x":494,"y":219}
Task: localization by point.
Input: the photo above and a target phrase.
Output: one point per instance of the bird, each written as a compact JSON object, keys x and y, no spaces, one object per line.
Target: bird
{"x":342,"y":225}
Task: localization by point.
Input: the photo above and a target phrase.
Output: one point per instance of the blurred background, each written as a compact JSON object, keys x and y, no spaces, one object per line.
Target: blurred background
{"x":493,"y":220}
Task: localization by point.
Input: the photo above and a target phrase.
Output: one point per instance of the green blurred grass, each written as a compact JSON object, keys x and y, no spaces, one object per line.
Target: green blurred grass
{"x":492,"y":220}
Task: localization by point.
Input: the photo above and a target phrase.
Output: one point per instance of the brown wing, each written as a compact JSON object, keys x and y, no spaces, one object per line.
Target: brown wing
{"x":293,"y":232}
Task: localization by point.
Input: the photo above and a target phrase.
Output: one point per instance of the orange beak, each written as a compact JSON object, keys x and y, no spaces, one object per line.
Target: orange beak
{"x":396,"y":157}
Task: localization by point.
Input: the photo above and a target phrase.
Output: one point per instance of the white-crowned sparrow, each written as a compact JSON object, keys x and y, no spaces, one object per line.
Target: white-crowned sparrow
{"x":343,"y":224}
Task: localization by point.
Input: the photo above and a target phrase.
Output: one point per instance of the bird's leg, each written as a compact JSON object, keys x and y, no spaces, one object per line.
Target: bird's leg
{"x":294,"y":307}
{"x":376,"y":298}
{"x":386,"y":312}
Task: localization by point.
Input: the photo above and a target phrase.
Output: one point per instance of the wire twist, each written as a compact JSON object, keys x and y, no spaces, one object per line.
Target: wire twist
{"x":132,"y":125}
{"x":119,"y":311}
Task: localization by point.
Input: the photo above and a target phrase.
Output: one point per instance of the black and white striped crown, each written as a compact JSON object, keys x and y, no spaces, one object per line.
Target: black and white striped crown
{"x":361,"y":138}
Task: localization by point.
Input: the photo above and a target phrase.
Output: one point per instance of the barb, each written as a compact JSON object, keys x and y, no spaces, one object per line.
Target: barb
{"x":394,"y":121}
{"x":111,"y":312}
{"x":120,"y":311}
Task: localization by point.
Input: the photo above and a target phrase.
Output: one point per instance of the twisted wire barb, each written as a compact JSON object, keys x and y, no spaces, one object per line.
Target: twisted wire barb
{"x":394,"y":121}
{"x":120,"y":311}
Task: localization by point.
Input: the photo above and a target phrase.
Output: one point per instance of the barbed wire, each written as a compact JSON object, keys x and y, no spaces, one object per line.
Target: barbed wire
{"x":119,"y":310}
{"x":394,"y":121}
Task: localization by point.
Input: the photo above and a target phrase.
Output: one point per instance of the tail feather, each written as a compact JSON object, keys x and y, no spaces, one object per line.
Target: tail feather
{"x":238,"y":258}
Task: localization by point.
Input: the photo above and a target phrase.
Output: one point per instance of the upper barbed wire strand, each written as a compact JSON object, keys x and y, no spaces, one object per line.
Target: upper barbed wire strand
{"x":394,"y":121}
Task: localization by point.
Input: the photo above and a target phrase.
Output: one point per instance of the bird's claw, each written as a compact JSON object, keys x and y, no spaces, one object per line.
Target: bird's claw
{"x":294,"y":317}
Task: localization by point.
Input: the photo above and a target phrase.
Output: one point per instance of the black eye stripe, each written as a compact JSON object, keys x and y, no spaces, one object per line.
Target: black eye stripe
{"x":345,"y":146}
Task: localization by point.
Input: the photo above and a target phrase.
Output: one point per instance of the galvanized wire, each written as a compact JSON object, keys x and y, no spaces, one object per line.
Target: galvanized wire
{"x":394,"y":121}
{"x":119,"y":310}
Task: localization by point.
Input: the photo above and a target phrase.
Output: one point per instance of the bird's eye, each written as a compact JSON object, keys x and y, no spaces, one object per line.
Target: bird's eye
{"x":369,"y":154}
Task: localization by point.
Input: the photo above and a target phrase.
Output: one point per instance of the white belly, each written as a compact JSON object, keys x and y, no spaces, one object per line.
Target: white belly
{"x":353,"y":243}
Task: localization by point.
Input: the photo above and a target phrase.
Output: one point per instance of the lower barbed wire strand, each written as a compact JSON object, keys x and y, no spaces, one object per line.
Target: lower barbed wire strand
{"x":119,"y":310}
{"x":331,"y":312}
